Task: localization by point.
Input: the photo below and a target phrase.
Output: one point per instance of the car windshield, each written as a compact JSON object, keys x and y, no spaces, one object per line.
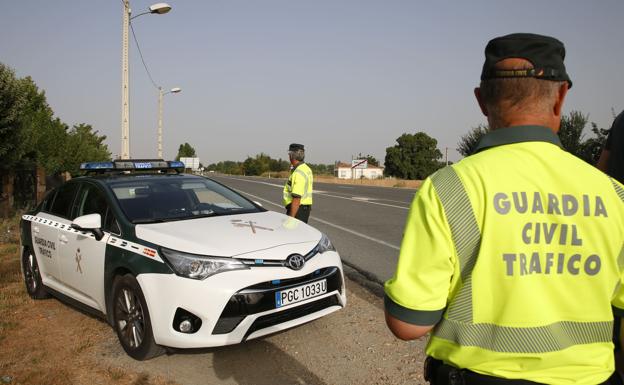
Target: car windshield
{"x":164,"y":199}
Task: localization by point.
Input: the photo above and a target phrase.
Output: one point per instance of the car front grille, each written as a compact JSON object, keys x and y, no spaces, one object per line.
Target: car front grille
{"x":268,"y":320}
{"x":261,"y":297}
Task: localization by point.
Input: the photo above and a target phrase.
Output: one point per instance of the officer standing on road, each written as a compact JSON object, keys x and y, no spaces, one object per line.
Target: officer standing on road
{"x":513,"y":255}
{"x":298,"y":188}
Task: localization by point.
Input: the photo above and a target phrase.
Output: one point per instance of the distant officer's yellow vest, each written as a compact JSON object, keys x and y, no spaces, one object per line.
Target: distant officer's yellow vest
{"x":517,"y":254}
{"x":299,"y":184}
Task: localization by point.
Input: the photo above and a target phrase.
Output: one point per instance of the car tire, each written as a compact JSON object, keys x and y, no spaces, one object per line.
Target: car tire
{"x":32,"y":276}
{"x":131,"y":319}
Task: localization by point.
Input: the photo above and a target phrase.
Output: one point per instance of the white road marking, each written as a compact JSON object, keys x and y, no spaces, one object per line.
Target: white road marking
{"x":332,"y":225}
{"x":323,"y":193}
{"x":363,"y":201}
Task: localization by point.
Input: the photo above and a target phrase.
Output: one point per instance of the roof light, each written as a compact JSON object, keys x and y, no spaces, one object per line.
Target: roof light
{"x":97,"y":165}
{"x":133,"y":165}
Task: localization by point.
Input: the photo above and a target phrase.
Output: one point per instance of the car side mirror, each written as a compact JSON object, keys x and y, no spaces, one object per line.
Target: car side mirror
{"x":91,"y":223}
{"x":258,"y":203}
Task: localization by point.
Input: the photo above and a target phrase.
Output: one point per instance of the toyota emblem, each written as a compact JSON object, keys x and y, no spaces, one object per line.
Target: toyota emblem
{"x":295,"y":261}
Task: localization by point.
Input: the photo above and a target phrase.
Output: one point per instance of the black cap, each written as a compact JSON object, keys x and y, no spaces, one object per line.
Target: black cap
{"x":295,"y":147}
{"x":544,"y":52}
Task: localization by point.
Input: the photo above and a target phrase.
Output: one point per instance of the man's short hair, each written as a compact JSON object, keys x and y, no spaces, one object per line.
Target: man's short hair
{"x":529,"y":93}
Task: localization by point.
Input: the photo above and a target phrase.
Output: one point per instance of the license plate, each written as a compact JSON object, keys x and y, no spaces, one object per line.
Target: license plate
{"x":300,"y":293}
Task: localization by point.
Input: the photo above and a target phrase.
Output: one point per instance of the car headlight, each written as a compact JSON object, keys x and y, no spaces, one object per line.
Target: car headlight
{"x":200,"y":266}
{"x":325,"y":244}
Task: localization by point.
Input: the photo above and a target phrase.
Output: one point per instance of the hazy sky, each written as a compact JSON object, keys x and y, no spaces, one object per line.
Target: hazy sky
{"x":340,"y":76}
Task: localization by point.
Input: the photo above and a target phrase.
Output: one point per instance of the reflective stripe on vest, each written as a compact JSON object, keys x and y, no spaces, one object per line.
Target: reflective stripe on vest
{"x":458,"y":326}
{"x":306,"y":186}
{"x":287,"y":193}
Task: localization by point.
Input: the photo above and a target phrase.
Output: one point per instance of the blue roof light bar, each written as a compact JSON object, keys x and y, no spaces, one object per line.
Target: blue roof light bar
{"x":133,"y":165}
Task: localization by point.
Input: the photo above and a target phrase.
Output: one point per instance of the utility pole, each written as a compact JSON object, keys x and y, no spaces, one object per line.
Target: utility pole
{"x":162,"y":93}
{"x":125,"y":104}
{"x":160,"y":102}
{"x":446,"y":155}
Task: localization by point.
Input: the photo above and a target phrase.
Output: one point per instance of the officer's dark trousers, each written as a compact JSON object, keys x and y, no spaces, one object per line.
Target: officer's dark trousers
{"x":303,"y":214}
{"x":438,"y":373}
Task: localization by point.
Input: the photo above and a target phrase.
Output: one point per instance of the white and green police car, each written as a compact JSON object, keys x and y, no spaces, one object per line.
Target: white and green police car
{"x":176,"y":260}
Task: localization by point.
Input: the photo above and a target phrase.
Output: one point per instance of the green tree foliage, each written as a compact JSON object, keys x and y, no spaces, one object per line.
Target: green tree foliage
{"x":84,"y":143}
{"x":186,"y":151}
{"x":12,"y":102}
{"x":371,"y":159}
{"x":415,"y":156}
{"x":571,"y":133}
{"x":321,"y":169}
{"x":468,"y":142}
{"x":227,"y":167}
{"x":262,"y":164}
{"x":257,"y":165}
{"x":574,"y":140}
{"x":29,"y":132}
{"x":46,"y":136}
{"x":276,"y":165}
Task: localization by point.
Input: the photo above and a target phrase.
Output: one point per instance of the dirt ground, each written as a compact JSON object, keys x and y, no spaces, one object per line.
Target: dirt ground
{"x":49,"y":342}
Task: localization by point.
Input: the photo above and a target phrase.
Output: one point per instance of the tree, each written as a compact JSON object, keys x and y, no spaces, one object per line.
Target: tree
{"x":573,"y":139}
{"x":594,"y":145}
{"x":370,"y":159}
{"x":84,"y":144}
{"x":12,"y":102}
{"x":321,"y":169}
{"x":186,"y":151}
{"x":46,"y":137}
{"x":276,"y":165}
{"x":468,"y":142}
{"x":415,"y":156}
{"x":571,"y":131}
{"x":29,"y":132}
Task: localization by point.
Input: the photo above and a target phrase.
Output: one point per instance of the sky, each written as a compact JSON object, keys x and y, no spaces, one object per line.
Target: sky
{"x":340,"y":76}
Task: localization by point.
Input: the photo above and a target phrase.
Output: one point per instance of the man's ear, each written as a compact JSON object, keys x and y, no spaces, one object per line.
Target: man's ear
{"x":477,"y":93}
{"x":561,"y":94}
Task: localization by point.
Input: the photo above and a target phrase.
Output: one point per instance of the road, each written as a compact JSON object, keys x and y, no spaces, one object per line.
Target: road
{"x":365,"y":223}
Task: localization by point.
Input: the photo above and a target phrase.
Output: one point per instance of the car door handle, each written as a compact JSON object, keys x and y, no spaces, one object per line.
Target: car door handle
{"x":36,"y":229}
{"x":63,"y":239}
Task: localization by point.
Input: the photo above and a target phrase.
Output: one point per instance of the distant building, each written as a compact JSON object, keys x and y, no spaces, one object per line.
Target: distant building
{"x":190,"y":163}
{"x":344,"y":171}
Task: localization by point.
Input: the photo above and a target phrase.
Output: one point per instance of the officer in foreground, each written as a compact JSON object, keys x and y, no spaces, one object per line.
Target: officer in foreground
{"x":512,"y":256}
{"x":298,"y":188}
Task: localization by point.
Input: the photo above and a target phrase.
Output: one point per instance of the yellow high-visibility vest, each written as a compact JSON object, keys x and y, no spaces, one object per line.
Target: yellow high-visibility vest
{"x":299,"y":185}
{"x":516,"y":253}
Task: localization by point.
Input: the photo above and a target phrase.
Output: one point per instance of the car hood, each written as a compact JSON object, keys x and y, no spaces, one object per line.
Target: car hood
{"x":234,"y":235}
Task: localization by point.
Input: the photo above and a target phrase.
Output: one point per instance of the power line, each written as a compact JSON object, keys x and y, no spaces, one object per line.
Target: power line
{"x":141,"y":55}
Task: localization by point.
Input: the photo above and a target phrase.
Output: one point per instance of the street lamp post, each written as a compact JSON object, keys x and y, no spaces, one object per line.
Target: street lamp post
{"x":161,"y":93}
{"x":159,"y":8}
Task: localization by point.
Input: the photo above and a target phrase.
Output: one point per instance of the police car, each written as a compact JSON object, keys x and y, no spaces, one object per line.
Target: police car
{"x":176,"y":260}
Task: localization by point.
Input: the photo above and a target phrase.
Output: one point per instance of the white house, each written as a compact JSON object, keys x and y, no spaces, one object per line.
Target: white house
{"x":344,"y":171}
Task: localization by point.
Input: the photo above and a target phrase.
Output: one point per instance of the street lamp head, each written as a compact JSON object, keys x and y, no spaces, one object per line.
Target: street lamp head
{"x":176,"y":90}
{"x":160,"y":8}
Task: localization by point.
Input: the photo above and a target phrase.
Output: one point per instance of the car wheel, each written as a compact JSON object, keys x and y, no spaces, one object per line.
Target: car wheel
{"x":32,"y":276}
{"x":131,"y":319}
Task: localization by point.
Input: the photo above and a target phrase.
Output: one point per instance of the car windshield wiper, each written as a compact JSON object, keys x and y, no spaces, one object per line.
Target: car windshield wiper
{"x":142,"y":221}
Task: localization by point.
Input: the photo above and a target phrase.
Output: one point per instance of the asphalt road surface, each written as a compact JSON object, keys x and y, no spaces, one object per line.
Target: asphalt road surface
{"x":365,"y":223}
